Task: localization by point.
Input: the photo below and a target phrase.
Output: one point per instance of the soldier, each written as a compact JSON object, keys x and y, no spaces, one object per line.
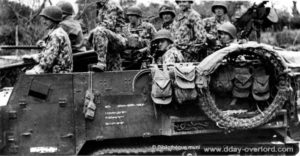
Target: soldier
{"x":106,"y":40}
{"x":227,"y":34}
{"x":164,"y":52}
{"x":71,"y":26}
{"x":144,"y":30}
{"x":189,"y":32}
{"x":167,"y":14}
{"x":139,"y":34}
{"x":219,"y":8}
{"x":56,"y":56}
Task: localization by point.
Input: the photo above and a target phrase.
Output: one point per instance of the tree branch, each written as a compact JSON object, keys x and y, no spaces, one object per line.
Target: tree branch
{"x":38,"y":12}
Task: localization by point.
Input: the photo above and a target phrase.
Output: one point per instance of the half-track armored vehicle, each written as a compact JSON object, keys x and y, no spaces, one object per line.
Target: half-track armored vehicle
{"x":244,"y":95}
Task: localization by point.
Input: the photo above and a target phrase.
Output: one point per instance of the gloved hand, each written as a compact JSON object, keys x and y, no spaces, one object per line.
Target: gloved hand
{"x":41,"y":43}
{"x":31,"y":58}
{"x":35,"y":70}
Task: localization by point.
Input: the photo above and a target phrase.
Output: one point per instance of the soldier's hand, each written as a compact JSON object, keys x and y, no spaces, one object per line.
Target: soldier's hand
{"x":34,"y":58}
{"x":133,"y":41}
{"x":41,"y":43}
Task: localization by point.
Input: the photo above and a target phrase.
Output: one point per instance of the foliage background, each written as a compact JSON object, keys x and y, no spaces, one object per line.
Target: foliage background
{"x":13,"y":14}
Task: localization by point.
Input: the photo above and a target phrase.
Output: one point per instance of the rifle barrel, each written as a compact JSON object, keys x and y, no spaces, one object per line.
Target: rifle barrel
{"x":20,"y":47}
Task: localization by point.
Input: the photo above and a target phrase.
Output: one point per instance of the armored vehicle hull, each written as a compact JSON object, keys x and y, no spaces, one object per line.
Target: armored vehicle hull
{"x":44,"y":114}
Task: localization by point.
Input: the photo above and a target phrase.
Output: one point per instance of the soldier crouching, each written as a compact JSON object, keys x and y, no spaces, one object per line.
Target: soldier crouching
{"x":106,"y":40}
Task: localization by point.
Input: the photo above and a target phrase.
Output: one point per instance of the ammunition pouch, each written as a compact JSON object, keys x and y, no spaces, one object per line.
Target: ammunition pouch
{"x":201,"y":81}
{"x":222,"y":82}
{"x":260,"y":87}
{"x":184,"y":83}
{"x":242,"y":82}
{"x":161,"y":87}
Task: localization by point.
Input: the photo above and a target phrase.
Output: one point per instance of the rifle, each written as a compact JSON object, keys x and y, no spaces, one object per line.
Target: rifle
{"x":22,"y":63}
{"x":25,"y":47}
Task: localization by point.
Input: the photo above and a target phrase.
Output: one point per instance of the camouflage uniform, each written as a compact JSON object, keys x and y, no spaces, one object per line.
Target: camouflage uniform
{"x":73,"y":28}
{"x":167,"y":26}
{"x":56,"y":57}
{"x":211,"y":26}
{"x":189,"y":35}
{"x":143,"y":34}
{"x":107,"y":43}
{"x":172,"y":55}
{"x":145,"y":30}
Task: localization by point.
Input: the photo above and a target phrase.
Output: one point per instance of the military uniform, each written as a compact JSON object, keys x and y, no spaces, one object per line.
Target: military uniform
{"x":56,"y":57}
{"x":172,"y":55}
{"x":189,"y":35}
{"x":145,"y":30}
{"x":106,"y":43}
{"x":73,"y":28}
{"x":167,"y":9}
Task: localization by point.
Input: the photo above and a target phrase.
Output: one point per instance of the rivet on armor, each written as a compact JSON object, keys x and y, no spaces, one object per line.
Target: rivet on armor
{"x":62,"y":102}
{"x":12,"y":115}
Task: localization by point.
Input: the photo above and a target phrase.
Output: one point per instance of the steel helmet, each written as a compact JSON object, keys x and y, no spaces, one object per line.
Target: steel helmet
{"x":66,"y":7}
{"x":53,"y":13}
{"x":191,"y":1}
{"x":221,"y":4}
{"x":134,"y":10}
{"x":228,"y":28}
{"x":163,"y":34}
{"x":167,"y":9}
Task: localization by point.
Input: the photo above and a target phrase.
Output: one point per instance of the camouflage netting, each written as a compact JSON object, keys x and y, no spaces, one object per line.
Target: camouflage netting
{"x":268,"y":55}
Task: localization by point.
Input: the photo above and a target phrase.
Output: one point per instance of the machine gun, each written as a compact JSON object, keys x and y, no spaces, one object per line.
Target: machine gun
{"x":255,"y":18}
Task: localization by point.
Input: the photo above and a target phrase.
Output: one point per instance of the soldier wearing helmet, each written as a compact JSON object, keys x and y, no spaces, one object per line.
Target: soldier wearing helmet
{"x":163,"y":51}
{"x":189,"y":33}
{"x":71,"y":26}
{"x":227,"y":33}
{"x":56,"y":55}
{"x":139,"y":34}
{"x":219,"y":8}
{"x":144,"y":30}
{"x":107,"y":39}
{"x":167,"y":14}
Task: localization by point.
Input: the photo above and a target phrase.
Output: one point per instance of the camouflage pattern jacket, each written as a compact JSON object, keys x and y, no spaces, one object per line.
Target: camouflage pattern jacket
{"x":188,"y":29}
{"x":106,"y":41}
{"x":167,"y":26}
{"x":145,"y":30}
{"x":73,"y":28}
{"x":56,"y":57}
{"x":172,"y":55}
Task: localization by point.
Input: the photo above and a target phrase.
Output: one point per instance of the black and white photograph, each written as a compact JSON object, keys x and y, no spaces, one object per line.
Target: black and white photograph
{"x":149,"y":77}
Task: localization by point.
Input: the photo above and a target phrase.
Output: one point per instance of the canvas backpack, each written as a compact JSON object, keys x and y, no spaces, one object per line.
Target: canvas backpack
{"x":260,"y":87}
{"x":242,"y":82}
{"x":161,"y":92}
{"x":184,"y":83}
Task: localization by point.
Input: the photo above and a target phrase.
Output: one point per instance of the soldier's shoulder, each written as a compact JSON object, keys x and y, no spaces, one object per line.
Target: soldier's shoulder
{"x":59,"y":32}
{"x":209,"y":19}
{"x":147,"y":25}
{"x":194,"y":14}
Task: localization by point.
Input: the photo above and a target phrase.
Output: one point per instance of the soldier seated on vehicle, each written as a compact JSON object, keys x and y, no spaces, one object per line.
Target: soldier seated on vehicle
{"x":162,"y":49}
{"x":189,"y":33}
{"x":227,"y":35}
{"x":167,"y":14}
{"x":211,"y":24}
{"x":56,"y":55}
{"x":139,"y":34}
{"x":71,"y":26}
